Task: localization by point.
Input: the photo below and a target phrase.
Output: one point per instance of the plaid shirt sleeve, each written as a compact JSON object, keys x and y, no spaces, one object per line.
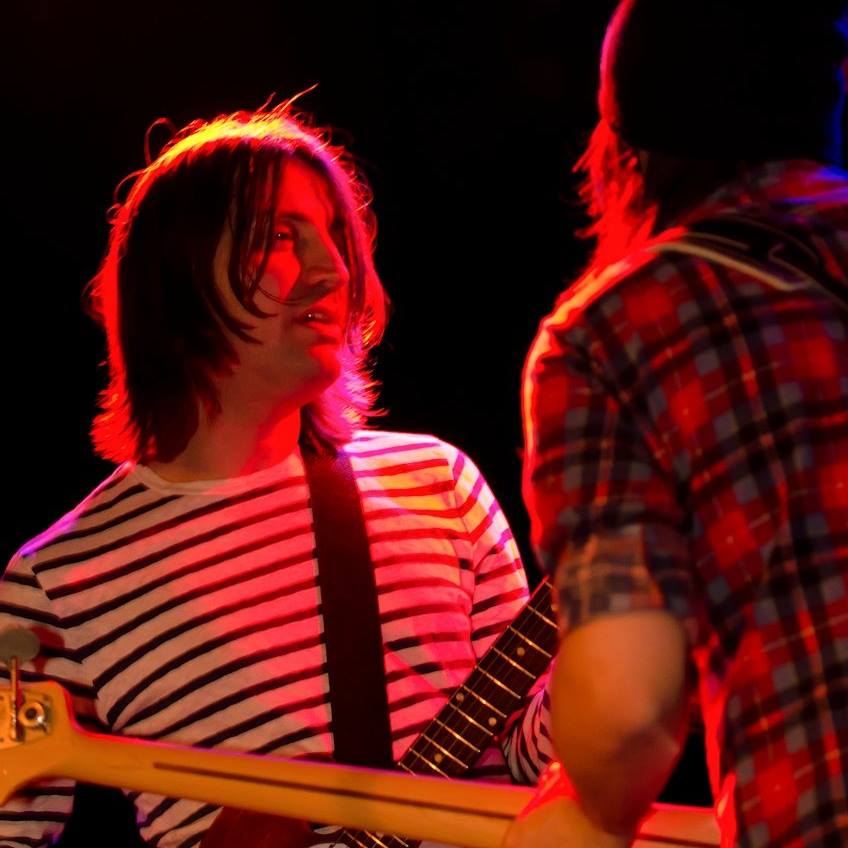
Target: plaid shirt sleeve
{"x":606,"y":518}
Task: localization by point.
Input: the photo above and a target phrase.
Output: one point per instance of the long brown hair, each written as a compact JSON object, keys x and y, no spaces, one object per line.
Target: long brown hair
{"x":155,"y":296}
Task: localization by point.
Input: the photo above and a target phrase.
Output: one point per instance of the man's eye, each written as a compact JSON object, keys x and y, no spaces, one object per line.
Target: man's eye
{"x":284,"y":235}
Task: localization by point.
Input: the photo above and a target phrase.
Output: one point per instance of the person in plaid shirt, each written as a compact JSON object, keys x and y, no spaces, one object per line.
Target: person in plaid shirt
{"x":687,"y":437}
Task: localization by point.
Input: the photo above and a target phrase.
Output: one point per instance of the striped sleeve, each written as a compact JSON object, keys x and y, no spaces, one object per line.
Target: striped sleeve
{"x":35,"y":815}
{"x":500,"y":592}
{"x":527,"y":743}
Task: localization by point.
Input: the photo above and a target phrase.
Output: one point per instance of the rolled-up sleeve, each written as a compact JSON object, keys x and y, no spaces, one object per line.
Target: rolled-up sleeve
{"x":606,"y":516}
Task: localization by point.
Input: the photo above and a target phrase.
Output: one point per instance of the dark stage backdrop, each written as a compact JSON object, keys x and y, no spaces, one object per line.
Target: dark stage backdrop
{"x":466,"y":117}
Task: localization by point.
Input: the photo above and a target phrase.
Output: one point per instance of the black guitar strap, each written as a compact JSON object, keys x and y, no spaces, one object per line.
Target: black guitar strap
{"x":355,"y":669}
{"x":352,"y":635}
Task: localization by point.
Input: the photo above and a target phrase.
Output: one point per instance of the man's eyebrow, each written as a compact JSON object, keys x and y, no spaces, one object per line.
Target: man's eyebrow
{"x":292,"y":216}
{"x":336,"y":220}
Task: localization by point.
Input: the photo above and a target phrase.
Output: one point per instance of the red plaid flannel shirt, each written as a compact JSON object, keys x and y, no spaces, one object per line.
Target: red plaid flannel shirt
{"x":687,"y":449}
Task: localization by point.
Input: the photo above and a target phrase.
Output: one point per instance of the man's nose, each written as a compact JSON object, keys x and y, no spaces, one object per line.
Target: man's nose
{"x":325,"y":265}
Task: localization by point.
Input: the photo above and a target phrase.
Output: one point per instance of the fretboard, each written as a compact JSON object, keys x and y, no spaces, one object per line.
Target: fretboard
{"x":477,"y":711}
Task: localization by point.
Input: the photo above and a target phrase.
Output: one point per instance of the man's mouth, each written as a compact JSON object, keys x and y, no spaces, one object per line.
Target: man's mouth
{"x":317,"y":315}
{"x":324,"y":319}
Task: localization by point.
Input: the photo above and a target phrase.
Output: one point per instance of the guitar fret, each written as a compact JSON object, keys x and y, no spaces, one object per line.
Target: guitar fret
{"x":542,"y":616}
{"x":515,"y":664}
{"x":482,"y":700}
{"x":530,"y":642}
{"x":444,"y":751}
{"x":432,"y":765}
{"x":498,"y":683}
{"x":469,"y":719}
{"x":457,"y":735}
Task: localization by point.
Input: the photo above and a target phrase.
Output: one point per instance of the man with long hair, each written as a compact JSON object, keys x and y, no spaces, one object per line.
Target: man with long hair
{"x":687,"y":432}
{"x":180,"y":601}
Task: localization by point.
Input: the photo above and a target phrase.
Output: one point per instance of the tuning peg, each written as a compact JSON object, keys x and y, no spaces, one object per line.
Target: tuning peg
{"x":18,"y":642}
{"x":17,"y":645}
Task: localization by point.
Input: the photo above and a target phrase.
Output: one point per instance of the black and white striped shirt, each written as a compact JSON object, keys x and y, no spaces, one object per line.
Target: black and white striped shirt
{"x":188,"y":612}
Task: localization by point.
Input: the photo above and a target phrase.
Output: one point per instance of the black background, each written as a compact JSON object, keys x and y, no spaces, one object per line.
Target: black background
{"x":466,"y":117}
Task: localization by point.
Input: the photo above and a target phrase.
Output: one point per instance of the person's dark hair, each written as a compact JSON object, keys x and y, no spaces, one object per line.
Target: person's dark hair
{"x":613,"y":192}
{"x":700,"y":92}
{"x":726,"y":79}
{"x":155,"y":296}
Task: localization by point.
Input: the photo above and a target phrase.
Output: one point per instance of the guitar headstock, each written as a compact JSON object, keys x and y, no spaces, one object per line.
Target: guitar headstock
{"x":45,"y":732}
{"x":36,"y":721}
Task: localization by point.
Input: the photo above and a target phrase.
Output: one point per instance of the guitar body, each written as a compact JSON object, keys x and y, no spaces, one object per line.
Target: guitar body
{"x":467,"y":813}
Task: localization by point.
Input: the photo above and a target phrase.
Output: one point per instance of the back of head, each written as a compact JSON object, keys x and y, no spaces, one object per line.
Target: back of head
{"x":718,"y":79}
{"x":707,"y":89}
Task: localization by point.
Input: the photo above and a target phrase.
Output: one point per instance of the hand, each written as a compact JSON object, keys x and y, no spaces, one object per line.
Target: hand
{"x":553,"y":819}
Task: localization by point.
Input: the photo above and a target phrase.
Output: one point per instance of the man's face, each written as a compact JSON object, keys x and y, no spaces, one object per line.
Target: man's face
{"x":304,"y":290}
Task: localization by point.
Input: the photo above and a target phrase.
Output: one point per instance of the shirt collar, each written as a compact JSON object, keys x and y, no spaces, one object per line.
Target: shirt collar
{"x":790,"y":182}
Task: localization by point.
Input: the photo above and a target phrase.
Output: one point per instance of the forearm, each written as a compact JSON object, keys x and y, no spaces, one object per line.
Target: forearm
{"x":618,"y":731}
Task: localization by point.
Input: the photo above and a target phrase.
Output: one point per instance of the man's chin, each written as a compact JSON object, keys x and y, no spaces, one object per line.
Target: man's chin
{"x":327,"y":370}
